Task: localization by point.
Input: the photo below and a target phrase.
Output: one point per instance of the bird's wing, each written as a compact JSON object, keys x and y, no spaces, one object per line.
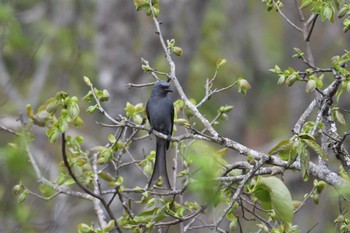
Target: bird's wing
{"x":172,"y":118}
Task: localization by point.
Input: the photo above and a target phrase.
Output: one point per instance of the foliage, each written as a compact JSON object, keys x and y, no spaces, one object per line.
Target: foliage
{"x":201,"y":167}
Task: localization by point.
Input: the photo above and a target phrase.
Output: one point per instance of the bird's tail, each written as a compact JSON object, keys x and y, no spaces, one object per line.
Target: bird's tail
{"x":160,"y":168}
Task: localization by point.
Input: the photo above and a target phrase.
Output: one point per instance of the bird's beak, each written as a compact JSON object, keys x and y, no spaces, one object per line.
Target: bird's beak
{"x":169,"y":89}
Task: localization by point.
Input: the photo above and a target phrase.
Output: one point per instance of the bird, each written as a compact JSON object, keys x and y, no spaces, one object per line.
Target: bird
{"x":160,"y":114}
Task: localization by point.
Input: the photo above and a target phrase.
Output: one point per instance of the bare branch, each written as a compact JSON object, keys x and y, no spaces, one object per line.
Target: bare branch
{"x":304,"y":201}
{"x":286,"y":18}
{"x":312,"y":21}
{"x":97,"y":204}
{"x":81,"y":186}
{"x":302,"y":119}
{"x":4,"y":128}
{"x":130,"y":85}
{"x":172,"y":76}
{"x":42,"y":197}
{"x":239,"y":189}
{"x":209,"y":93}
{"x":100,"y":108}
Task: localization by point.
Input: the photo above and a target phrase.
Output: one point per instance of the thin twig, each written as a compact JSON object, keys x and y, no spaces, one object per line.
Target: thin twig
{"x":3,"y":128}
{"x":85,"y":189}
{"x":286,"y":18}
{"x":172,"y":76}
{"x":209,"y":93}
{"x":312,"y":19}
{"x":126,"y":207}
{"x":305,"y":199}
{"x":100,"y":108}
{"x":302,"y":119}
{"x":97,"y":190}
{"x":130,"y":85}
{"x":41,"y":179}
{"x":258,"y":217}
{"x":42,"y":197}
{"x":239,"y":190}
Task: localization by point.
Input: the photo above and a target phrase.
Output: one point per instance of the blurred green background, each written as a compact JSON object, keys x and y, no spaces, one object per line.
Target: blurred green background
{"x":47,"y":46}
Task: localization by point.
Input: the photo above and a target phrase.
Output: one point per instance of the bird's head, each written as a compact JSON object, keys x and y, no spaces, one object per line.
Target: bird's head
{"x":161,"y":88}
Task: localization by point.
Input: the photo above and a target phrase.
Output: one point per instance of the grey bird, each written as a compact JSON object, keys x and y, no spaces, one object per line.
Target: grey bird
{"x":160,"y":114}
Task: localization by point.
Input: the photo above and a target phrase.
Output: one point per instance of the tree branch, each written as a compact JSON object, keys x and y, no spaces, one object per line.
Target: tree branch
{"x":285,"y":17}
{"x":239,"y":189}
{"x":85,"y":189}
{"x":172,"y":76}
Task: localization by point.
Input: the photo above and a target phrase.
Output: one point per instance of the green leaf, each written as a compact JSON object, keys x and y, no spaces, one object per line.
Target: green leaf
{"x":282,"y":146}
{"x":87,"y":81}
{"x":117,"y":182}
{"x":305,"y":3}
{"x":281,"y":80}
{"x":151,"y":202}
{"x":220,"y":63}
{"x":225,"y":109}
{"x":79,"y":139}
{"x":222,"y":151}
{"x":291,"y":80}
{"x":310,"y":86}
{"x":84,"y":228}
{"x":320,"y":185}
{"x":137,"y":118}
{"x":17,"y":189}
{"x":338,"y":94}
{"x":73,"y":111}
{"x":276,"y":70}
{"x":69,"y":182}
{"x":153,"y":215}
{"x":105,"y":156}
{"x":306,"y":136}
{"x":106,"y":176}
{"x":88,"y":97}
{"x":129,"y":109}
{"x":62,"y":124}
{"x":60,"y":179}
{"x":298,"y":53}
{"x":182,"y":121}
{"x":91,"y":108}
{"x":177,"y":51}
{"x":243,"y":86}
{"x":342,"y":12}
{"x":346,"y":24}
{"x":340,"y":117}
{"x":105,"y":96}
{"x":46,"y":190}
{"x":53,"y":134}
{"x":315,"y":147}
{"x":111,"y":138}
{"x":146,"y":68}
{"x":139,"y":4}
{"x":233,"y":225}
{"x":23,"y":196}
{"x":304,"y":162}
{"x":328,"y":13}
{"x":273,"y":193}
{"x":110,"y":226}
